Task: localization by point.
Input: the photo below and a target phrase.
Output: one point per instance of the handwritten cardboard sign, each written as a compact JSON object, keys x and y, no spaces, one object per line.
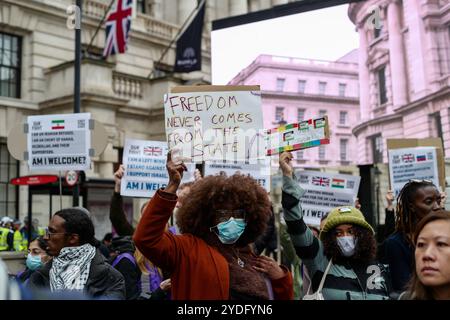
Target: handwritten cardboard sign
{"x":295,"y":136}
{"x":59,"y":142}
{"x":206,"y":123}
{"x":412,"y":164}
{"x":145,"y":168}
{"x":325,"y":191}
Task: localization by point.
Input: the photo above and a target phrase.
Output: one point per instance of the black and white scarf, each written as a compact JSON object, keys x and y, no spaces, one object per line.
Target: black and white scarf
{"x":70,"y":269}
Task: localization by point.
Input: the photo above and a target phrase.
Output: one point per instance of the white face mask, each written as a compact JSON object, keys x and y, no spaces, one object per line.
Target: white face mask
{"x":347,"y":245}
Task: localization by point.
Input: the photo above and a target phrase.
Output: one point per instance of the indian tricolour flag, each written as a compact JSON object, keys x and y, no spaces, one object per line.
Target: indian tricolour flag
{"x":338,"y":183}
{"x":57,"y":124}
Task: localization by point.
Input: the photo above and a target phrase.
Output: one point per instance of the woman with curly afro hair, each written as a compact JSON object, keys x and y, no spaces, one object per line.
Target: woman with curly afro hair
{"x":341,"y":261}
{"x":212,"y":258}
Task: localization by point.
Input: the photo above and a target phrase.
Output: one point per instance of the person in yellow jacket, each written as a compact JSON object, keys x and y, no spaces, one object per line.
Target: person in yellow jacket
{"x":18,"y":242}
{"x":4,"y":239}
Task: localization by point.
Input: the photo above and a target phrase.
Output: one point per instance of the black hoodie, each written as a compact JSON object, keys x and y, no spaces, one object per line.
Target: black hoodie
{"x":129,"y":270}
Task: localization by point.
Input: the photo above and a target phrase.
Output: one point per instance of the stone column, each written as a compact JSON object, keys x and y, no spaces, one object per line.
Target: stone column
{"x":210,"y":15}
{"x":364,"y":79}
{"x":416,"y":47}
{"x":238,"y":7}
{"x":185,"y":8}
{"x":397,"y":56}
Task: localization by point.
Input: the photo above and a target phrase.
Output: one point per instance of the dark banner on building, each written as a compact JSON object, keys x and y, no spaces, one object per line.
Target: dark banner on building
{"x":188,"y":53}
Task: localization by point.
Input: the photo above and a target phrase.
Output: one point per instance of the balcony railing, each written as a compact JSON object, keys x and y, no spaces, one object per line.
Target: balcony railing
{"x":95,"y":8}
{"x":127,"y":87}
{"x":157,"y":27}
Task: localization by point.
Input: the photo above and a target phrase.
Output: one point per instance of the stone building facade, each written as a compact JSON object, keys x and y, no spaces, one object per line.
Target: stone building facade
{"x":296,"y":89}
{"x":36,"y":77}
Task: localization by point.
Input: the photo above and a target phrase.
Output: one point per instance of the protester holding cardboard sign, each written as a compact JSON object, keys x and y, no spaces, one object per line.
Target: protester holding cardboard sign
{"x":212,"y":258}
{"x":342,"y":260}
{"x":152,"y":278}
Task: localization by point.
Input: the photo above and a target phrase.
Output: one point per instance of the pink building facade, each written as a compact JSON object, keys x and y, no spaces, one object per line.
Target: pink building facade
{"x":298,"y":89}
{"x":404,"y":73}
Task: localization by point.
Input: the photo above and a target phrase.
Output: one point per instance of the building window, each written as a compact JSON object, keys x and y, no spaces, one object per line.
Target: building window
{"x":377,"y":148}
{"x":10,"y":52}
{"x":141,"y":6}
{"x":279,"y":113}
{"x":8,"y":192}
{"x":322,"y":152}
{"x":343,"y":118}
{"x":300,"y":115}
{"x":382,"y":85}
{"x":377,"y":31}
{"x":322,"y":113}
{"x":322,"y":87}
{"x":301,"y":86}
{"x":280,"y":84}
{"x":342,"y":87}
{"x":343,"y":149}
{"x":435,"y":125}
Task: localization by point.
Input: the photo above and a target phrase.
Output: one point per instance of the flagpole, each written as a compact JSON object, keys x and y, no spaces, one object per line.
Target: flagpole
{"x":99,"y":26}
{"x":176,"y":37}
{"x":77,"y":83}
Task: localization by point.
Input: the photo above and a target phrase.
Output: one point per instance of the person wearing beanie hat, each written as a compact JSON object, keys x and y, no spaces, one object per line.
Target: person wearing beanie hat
{"x":344,"y":215}
{"x":343,"y":257}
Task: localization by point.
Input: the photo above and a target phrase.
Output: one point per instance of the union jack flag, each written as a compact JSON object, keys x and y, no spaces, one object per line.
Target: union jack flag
{"x":320,"y":181}
{"x":152,"y":151}
{"x":118,"y":25}
{"x":409,"y":157}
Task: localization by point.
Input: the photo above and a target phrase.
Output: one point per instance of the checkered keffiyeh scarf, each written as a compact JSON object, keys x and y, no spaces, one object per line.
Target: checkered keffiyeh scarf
{"x":70,"y":269}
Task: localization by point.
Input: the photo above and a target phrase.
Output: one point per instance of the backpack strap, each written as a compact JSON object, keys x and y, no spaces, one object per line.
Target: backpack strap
{"x":125,"y":255}
{"x":322,"y":281}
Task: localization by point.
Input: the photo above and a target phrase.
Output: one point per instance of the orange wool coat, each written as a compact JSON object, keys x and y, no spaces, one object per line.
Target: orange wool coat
{"x":198,"y":271}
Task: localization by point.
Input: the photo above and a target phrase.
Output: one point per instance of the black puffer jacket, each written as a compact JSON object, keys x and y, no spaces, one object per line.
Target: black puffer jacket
{"x":130,"y":271}
{"x":104,"y":281}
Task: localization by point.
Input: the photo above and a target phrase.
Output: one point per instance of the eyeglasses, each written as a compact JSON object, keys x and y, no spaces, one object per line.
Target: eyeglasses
{"x":226,"y":214}
{"x":48,"y":233}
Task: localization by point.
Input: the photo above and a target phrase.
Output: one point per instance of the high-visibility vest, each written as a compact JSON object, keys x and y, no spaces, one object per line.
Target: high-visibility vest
{"x":4,"y":239}
{"x":41,"y":231}
{"x":17,"y":243}
{"x":24,"y":242}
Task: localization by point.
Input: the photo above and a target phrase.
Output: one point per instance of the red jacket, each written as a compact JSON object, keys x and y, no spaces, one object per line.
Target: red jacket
{"x":198,"y":271}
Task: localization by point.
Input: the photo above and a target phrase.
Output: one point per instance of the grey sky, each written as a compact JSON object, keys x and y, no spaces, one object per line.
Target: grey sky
{"x":325,"y":34}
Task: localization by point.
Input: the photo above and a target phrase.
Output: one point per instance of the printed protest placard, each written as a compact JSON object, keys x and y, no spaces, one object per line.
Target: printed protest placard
{"x":259,"y":171}
{"x":412,"y":163}
{"x":325,"y":191}
{"x":295,"y":136}
{"x":59,"y":142}
{"x":427,"y":142}
{"x":207,"y":123}
{"x":145,"y":168}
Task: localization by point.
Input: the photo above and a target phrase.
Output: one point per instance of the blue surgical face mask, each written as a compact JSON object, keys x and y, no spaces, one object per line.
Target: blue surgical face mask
{"x":347,"y":245}
{"x":231,"y":230}
{"x":34,"y":262}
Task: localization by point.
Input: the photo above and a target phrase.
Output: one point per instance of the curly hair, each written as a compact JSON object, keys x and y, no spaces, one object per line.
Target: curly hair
{"x":78,"y":221}
{"x":209,"y":194}
{"x":366,"y":247}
